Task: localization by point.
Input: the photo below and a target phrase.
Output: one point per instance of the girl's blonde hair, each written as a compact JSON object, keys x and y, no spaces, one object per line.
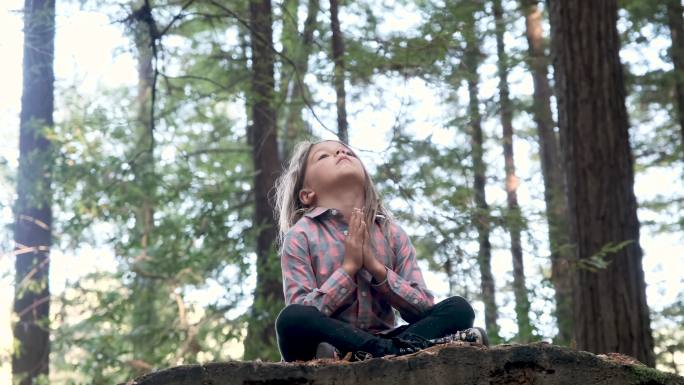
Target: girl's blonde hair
{"x":289,"y":209}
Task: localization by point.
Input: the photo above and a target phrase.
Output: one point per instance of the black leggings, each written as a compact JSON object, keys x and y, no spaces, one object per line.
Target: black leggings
{"x":301,"y":328}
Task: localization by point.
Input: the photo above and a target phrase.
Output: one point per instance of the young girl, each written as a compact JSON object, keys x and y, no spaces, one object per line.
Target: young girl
{"x":346,"y":264}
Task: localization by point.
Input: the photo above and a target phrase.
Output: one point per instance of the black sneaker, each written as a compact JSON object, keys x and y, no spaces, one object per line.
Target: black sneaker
{"x":410,"y":343}
{"x":397,"y":346}
{"x":474,"y":335}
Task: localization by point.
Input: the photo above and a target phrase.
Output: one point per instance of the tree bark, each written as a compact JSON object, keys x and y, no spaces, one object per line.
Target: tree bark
{"x":289,"y":40}
{"x":553,"y":174}
{"x":32,"y":211}
{"x":338,"y":59}
{"x":268,"y":296}
{"x":296,"y":92}
{"x":514,"y":217}
{"x":145,"y":289}
{"x":675,"y":22}
{"x":611,"y":313}
{"x":481,"y":212}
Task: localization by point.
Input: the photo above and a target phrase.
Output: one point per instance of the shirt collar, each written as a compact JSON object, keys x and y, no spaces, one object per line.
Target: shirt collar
{"x":318,"y":211}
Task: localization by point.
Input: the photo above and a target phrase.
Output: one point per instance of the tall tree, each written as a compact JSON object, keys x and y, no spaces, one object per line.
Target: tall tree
{"x":611,"y":313}
{"x":32,"y":211}
{"x":675,"y":22}
{"x":146,"y":287}
{"x":295,"y":89}
{"x":268,"y":296}
{"x":514,"y":217}
{"x":481,"y":212}
{"x":553,"y":172}
{"x":141,"y":316}
{"x":339,"y":78}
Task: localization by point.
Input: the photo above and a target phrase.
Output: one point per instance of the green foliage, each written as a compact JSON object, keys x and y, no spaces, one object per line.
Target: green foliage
{"x":653,"y":112}
{"x":668,"y":333}
{"x":179,"y":292}
{"x":598,"y":260}
{"x":97,"y":339}
{"x":430,"y":186}
{"x":197,"y":179}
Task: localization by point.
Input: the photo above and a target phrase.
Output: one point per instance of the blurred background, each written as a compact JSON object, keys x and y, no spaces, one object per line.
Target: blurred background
{"x":158,"y":252}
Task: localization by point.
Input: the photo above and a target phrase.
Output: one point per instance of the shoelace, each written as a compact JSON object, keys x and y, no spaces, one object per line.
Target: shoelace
{"x":412,"y":343}
{"x":467,"y":335}
{"x":361,"y":356}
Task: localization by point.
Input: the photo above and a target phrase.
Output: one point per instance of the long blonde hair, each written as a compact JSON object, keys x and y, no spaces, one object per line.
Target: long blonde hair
{"x":289,"y":209}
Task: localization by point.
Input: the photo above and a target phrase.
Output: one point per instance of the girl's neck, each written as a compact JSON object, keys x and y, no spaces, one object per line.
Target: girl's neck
{"x":345,"y":201}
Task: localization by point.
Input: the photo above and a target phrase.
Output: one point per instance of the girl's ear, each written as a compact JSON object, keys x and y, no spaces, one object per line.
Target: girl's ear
{"x":307,"y":196}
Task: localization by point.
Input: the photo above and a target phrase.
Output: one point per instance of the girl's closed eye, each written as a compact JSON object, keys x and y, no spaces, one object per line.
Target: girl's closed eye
{"x":324,"y":155}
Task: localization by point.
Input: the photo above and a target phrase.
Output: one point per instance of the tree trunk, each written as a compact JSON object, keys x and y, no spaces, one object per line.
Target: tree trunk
{"x":611,"y":314}
{"x":338,"y":59}
{"x":145,"y":289}
{"x":675,"y":22}
{"x":553,"y":174}
{"x":33,"y":212}
{"x":514,"y":217}
{"x":268,"y":296}
{"x":289,"y":40}
{"x":481,"y":212}
{"x":296,"y":92}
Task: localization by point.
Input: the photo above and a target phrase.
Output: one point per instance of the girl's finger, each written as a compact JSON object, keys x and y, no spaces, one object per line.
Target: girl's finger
{"x":359,"y":227}
{"x":353,"y":224}
{"x":363,"y":231}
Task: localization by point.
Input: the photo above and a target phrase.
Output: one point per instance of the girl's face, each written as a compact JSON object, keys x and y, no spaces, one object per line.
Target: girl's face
{"x":331,"y":164}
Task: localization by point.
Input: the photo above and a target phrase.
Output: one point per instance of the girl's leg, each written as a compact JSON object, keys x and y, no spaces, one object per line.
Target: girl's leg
{"x":301,"y":328}
{"x":447,"y":317}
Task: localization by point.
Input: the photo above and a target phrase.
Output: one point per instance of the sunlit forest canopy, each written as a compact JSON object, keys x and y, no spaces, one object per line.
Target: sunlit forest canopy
{"x":142,"y":140}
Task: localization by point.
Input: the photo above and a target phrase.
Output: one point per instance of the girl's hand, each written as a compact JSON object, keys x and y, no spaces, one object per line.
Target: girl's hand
{"x":371,"y":263}
{"x":353,"y":244}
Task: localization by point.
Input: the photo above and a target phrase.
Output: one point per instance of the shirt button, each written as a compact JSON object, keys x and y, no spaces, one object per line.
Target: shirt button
{"x":334,"y":212}
{"x":363,"y":293}
{"x":415,"y":300}
{"x":343,"y":290}
{"x":345,"y":232}
{"x":363,"y":326}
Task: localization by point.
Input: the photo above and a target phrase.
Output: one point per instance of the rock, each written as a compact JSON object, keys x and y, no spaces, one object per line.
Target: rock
{"x":455,"y":364}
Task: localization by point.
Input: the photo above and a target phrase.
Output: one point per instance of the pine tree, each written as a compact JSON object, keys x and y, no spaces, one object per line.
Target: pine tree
{"x":33,"y":207}
{"x":192,"y":166}
{"x":553,"y":172}
{"x":293,"y":87}
{"x":675,"y":22}
{"x":514,"y":215}
{"x":268,"y":296}
{"x":481,"y":216}
{"x":339,"y":78}
{"x":611,"y":313}
{"x":146,"y":287}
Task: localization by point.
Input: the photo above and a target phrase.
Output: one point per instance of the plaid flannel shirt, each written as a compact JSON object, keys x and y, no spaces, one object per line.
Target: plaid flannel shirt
{"x":311,"y":261}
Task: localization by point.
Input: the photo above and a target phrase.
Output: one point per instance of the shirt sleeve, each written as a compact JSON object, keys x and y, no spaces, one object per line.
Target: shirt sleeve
{"x":407,"y":290}
{"x":299,"y":280}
